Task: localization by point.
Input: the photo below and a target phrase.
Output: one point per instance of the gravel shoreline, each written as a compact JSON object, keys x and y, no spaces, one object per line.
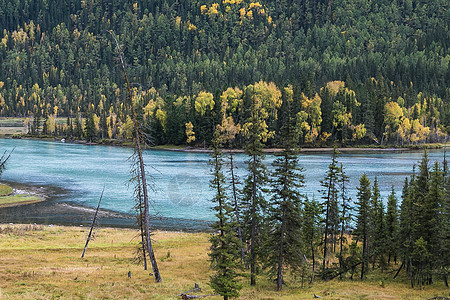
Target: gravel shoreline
{"x":54,"y":210}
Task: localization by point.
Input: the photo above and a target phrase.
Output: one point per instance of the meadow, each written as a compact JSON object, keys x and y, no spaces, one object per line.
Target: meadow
{"x":44,"y":262}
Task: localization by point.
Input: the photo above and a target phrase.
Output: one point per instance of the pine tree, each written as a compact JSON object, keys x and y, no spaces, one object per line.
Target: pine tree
{"x":377,"y":246}
{"x":312,"y":233}
{"x":420,"y":231}
{"x":253,"y":202}
{"x":392,"y":227}
{"x":434,"y":205}
{"x":78,"y":126}
{"x":362,"y":219}
{"x":406,"y":226}
{"x":89,"y":127}
{"x":330,"y":208}
{"x":259,"y":99}
{"x":284,"y":242}
{"x":227,"y":133}
{"x":225,"y":245}
{"x":345,"y":215}
{"x":138,"y":169}
{"x":444,"y":232}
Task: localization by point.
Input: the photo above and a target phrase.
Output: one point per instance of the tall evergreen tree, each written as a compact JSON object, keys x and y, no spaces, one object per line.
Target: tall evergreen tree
{"x":329,"y":203}
{"x":434,"y":210}
{"x":312,"y":233}
{"x":377,"y":244}
{"x":362,"y":219}
{"x":254,"y":204}
{"x":444,"y":232}
{"x":89,"y":127}
{"x":284,"y":242}
{"x":392,"y":227}
{"x":406,"y":225}
{"x":420,"y":242}
{"x":345,"y":216}
{"x":225,"y":245}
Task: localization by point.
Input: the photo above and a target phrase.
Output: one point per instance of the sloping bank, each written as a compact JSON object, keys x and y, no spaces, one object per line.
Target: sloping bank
{"x":46,"y":205}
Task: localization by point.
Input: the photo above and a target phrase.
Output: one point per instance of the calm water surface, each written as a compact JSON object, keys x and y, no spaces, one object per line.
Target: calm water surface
{"x":180,"y":180}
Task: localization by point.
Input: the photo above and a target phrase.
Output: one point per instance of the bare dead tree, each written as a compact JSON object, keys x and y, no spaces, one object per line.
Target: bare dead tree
{"x":139,"y":170}
{"x":93,"y":223}
{"x":141,"y":255}
{"x":5,"y":157}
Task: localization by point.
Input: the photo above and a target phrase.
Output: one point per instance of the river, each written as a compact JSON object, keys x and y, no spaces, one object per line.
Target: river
{"x":180,"y":180}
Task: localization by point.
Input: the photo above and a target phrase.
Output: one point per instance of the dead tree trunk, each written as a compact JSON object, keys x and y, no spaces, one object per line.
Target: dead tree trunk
{"x":93,"y":224}
{"x":141,"y":168}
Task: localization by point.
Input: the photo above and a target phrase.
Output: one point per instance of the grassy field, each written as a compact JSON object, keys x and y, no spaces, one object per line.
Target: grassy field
{"x":9,"y":198}
{"x":5,"y":190}
{"x":15,"y":200}
{"x":11,"y":126}
{"x":42,"y":262}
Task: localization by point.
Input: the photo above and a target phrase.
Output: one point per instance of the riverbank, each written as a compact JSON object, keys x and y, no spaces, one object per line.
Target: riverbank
{"x":54,"y":269}
{"x":306,"y":150}
{"x":50,"y":207}
{"x":11,"y":197}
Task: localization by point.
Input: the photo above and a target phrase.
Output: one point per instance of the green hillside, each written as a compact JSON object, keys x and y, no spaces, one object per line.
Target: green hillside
{"x":380,"y":68}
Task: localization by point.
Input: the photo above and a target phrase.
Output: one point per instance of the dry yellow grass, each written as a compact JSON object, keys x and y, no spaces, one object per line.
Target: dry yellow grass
{"x":11,"y":130}
{"x":42,"y":262}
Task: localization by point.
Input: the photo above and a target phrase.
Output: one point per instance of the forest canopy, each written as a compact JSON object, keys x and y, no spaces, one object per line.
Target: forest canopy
{"x":359,"y":71}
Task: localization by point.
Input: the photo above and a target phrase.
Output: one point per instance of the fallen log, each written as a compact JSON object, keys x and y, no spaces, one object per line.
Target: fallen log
{"x":185,"y":295}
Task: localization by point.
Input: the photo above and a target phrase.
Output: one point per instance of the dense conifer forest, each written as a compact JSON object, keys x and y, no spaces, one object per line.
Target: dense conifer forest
{"x":359,"y":72}
{"x":251,"y":75}
{"x":287,"y":235}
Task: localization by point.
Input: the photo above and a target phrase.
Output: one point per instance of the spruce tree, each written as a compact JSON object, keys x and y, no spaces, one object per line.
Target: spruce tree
{"x":406,"y":226}
{"x":392,"y":227}
{"x":345,"y":215}
{"x":89,"y":128}
{"x":225,"y":245}
{"x":227,"y":133}
{"x":312,"y":233}
{"x":444,"y":232}
{"x":253,"y":202}
{"x":362,"y":219}
{"x":377,"y":245}
{"x":329,"y":203}
{"x":435,"y":216}
{"x":420,"y":230}
{"x":284,"y":242}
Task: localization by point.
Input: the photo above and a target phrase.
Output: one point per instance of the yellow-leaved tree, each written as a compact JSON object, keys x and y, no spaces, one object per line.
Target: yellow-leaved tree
{"x":203,"y":102}
{"x":393,"y":115}
{"x":190,"y":134}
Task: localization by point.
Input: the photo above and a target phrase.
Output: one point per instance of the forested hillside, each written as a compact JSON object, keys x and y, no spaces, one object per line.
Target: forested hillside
{"x":358,"y":71}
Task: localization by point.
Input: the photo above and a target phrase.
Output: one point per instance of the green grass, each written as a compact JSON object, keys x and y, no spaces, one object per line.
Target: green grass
{"x":172,"y":147}
{"x":14,"y":200}
{"x":5,"y":190}
{"x":7,"y":198}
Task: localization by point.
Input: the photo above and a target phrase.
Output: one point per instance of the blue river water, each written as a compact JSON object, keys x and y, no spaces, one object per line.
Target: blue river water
{"x":180,"y":180}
